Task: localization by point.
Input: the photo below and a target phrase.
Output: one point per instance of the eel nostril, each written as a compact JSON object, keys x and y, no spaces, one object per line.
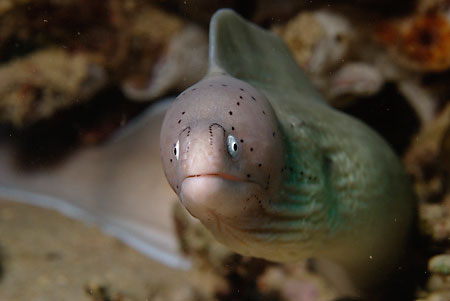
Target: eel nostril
{"x":211,"y":133}
{"x":218,"y":125}
{"x":214,"y":133}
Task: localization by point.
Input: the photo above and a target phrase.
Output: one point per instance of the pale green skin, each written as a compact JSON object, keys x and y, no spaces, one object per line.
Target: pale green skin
{"x":343,"y":193}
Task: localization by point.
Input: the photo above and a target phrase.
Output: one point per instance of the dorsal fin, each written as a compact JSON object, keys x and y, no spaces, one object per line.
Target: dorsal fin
{"x":254,"y":55}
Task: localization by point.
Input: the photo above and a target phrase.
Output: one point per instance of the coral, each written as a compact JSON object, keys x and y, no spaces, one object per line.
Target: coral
{"x":133,"y":44}
{"x":420,"y":41}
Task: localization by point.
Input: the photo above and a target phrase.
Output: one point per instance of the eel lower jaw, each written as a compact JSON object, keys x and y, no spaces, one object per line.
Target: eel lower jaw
{"x":219,"y":193}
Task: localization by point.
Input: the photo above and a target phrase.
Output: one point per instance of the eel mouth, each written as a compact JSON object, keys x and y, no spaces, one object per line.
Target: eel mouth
{"x":224,"y":176}
{"x":219,"y":175}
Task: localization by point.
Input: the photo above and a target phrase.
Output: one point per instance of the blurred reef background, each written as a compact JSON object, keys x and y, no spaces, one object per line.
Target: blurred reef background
{"x":73,"y":72}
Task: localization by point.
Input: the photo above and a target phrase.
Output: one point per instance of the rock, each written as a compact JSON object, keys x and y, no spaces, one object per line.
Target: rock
{"x":440,"y":264}
{"x":200,"y":11}
{"x":7,"y":5}
{"x":301,"y":42}
{"x":438,"y":296}
{"x":146,"y":50}
{"x":358,"y":79}
{"x":424,"y":160}
{"x":34,"y":87}
{"x":269,"y":11}
{"x":324,"y":45}
{"x":421,"y":99}
{"x":218,"y":272}
{"x":438,"y":284}
{"x":208,"y":256}
{"x":428,"y":162}
{"x":295,"y":282}
{"x":183,"y":64}
{"x":435,"y":220}
{"x":333,"y":53}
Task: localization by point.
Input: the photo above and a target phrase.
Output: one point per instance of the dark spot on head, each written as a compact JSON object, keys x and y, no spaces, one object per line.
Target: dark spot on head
{"x":241,"y":89}
{"x":170,"y":160}
{"x":253,"y":98}
{"x":242,"y":140}
{"x":240,"y":96}
{"x":177,"y":186}
{"x":232,"y":128}
{"x":52,"y":256}
{"x":249,"y":175}
{"x":179,"y":121}
{"x":223,"y":85}
{"x":273,"y":134}
{"x":251,"y":149}
{"x":238,"y":103}
{"x":259,"y":165}
{"x":182,"y":113}
{"x":268,"y":182}
{"x":264,"y":113}
{"x":231,"y":113}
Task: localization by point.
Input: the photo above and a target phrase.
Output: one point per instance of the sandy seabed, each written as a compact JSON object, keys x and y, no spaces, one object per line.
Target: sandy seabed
{"x":47,"y":256}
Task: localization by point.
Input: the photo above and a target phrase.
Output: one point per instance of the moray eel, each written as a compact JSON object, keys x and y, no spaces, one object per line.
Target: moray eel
{"x":257,"y":155}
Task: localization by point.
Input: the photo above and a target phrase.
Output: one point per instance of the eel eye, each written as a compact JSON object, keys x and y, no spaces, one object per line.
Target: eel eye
{"x":176,"y":149}
{"x":232,"y":146}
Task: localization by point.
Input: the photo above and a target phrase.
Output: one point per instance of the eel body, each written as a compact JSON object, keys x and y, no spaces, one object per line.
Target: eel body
{"x":256,"y":154}
{"x":118,"y":186}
